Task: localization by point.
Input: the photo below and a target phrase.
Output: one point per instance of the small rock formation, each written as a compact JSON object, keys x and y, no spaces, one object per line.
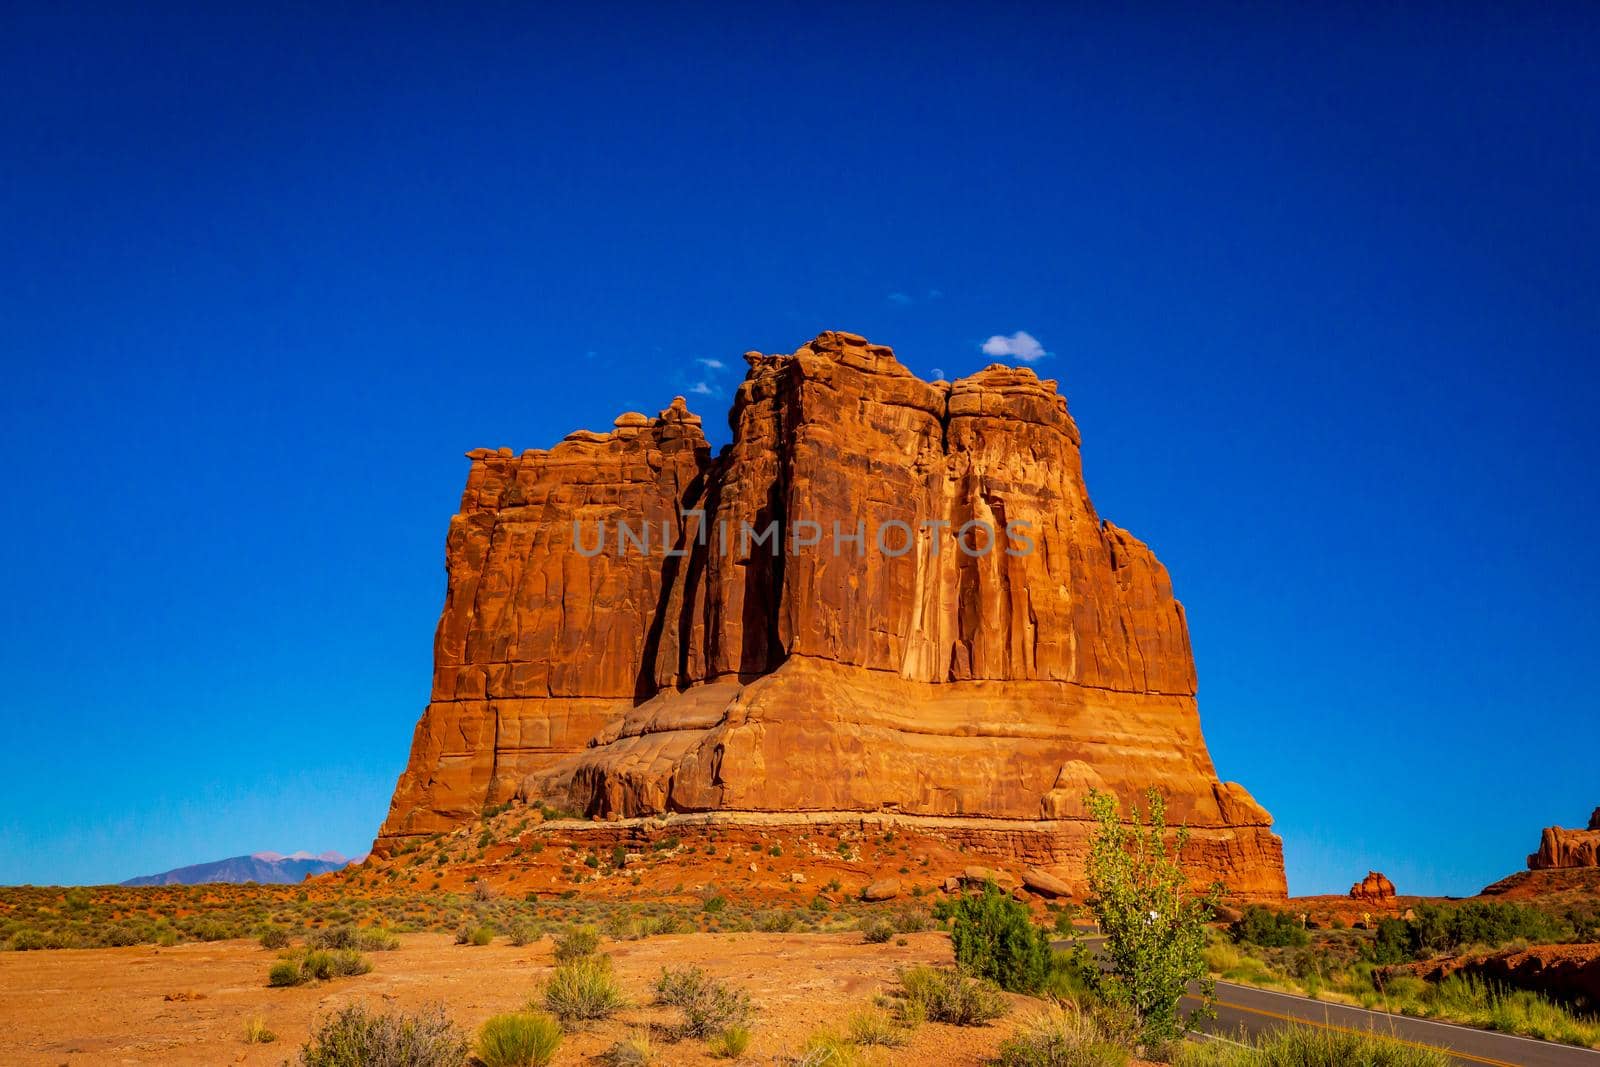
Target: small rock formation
{"x":979,"y":876}
{"x":681,"y":667}
{"x":1373,"y":889}
{"x":1560,"y":848}
{"x":882,"y":889}
{"x":1045,"y":884}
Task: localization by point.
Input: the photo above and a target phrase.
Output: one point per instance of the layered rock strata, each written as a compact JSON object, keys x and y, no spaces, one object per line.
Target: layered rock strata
{"x":885,"y":596}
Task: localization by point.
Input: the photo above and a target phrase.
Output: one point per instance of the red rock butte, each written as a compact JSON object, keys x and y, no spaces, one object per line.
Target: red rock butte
{"x":1562,"y":849}
{"x":979,"y":695}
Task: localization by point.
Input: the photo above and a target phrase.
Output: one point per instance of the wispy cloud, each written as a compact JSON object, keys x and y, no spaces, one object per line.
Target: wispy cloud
{"x":1020,"y":345}
{"x":900,"y":298}
{"x":711,"y":364}
{"x":700,"y":389}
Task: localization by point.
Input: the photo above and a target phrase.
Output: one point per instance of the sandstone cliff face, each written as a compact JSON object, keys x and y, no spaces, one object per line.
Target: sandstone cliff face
{"x":1561,"y":848}
{"x":917,"y":670}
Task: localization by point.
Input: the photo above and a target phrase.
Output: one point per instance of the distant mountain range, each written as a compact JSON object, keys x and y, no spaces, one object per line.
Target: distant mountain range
{"x":257,"y":867}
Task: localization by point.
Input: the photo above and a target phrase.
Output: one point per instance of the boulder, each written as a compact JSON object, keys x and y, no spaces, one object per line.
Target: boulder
{"x":882,"y":889}
{"x":1045,"y":884}
{"x":977,"y":876}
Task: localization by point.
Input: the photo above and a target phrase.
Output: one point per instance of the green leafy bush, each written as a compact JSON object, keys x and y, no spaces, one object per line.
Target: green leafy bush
{"x":1269,"y":928}
{"x":1154,"y":927}
{"x":355,"y":1037}
{"x":518,"y":1039}
{"x":994,"y":938}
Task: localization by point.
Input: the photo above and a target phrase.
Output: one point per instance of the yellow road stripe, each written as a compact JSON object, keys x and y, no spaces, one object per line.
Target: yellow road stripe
{"x":1354,"y":1030}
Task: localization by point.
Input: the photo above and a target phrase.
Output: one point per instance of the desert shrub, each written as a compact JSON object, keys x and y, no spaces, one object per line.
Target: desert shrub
{"x":731,"y":1043}
{"x":208,"y":929}
{"x":1061,"y":1037}
{"x":1154,"y":927}
{"x":323,"y":964}
{"x":826,"y":1049}
{"x":910,"y":921}
{"x":476,"y":935}
{"x":345,"y":936}
{"x":708,"y":1006}
{"x":776,"y":922}
{"x":1307,"y":1047}
{"x":634,"y":1050}
{"x":523,"y":932}
{"x":121,"y":936}
{"x":356,"y":1037}
{"x":257,"y":1033}
{"x":994,"y":938}
{"x":319,"y":964}
{"x":946,"y":996}
{"x":714,"y":905}
{"x":274,"y":937}
{"x":1269,"y":928}
{"x":873,"y":1027}
{"x":518,"y":1039}
{"x":284,"y":973}
{"x":583,"y":990}
{"x":576,"y":943}
{"x":876,"y":931}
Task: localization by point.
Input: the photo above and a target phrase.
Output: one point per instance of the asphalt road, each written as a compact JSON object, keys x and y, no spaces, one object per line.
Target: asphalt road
{"x":1247,"y":1011}
{"x":1255,"y":1011}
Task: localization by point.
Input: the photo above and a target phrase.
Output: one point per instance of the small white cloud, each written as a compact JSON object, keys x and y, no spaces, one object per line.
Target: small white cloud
{"x":1020,"y":345}
{"x":899,"y":298}
{"x":938,"y":373}
{"x":710,"y":364}
{"x":700,"y":389}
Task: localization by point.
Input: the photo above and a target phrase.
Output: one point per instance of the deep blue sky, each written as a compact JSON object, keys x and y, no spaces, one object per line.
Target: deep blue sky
{"x":1323,"y":293}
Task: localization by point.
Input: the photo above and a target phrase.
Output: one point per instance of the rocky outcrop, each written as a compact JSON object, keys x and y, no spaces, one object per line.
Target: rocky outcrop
{"x":886,"y":595}
{"x":1566,"y":973}
{"x":1373,"y":889}
{"x":1561,"y":848}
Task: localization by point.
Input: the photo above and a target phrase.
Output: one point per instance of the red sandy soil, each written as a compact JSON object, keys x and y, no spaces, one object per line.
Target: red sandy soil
{"x":748,"y":863}
{"x":189,"y":1004}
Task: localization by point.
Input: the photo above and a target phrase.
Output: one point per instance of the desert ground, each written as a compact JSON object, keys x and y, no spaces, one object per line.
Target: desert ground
{"x":190,"y":1003}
